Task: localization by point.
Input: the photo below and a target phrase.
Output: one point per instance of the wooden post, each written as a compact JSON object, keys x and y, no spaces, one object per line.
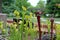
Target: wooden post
{"x":3,"y":17}
{"x":52,"y":22}
{"x":38,"y":19}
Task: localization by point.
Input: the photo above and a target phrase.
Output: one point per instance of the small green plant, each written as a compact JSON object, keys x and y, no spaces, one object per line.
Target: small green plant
{"x":58,"y":31}
{"x":3,"y":30}
{"x":1,"y":24}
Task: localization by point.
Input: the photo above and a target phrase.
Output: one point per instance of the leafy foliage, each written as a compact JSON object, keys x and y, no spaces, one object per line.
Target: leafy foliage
{"x":8,"y":6}
{"x":51,"y":8}
{"x":41,"y":4}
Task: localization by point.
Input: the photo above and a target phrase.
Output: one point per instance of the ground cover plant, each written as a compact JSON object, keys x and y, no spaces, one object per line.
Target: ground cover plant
{"x":21,"y":31}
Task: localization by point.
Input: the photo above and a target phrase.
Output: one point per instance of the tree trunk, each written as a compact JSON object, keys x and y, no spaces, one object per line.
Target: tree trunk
{"x":0,"y":6}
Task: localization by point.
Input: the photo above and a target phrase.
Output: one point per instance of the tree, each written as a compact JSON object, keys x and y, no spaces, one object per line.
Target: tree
{"x":8,"y":6}
{"x":0,"y":6}
{"x":20,"y":3}
{"x":41,"y":4}
{"x":51,"y":8}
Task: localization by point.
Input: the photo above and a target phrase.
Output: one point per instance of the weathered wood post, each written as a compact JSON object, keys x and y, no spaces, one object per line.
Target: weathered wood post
{"x":52,"y":22}
{"x":38,"y":14}
{"x":3,"y":17}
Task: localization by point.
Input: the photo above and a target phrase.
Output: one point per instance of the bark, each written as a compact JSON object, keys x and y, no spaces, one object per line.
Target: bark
{"x":0,"y":6}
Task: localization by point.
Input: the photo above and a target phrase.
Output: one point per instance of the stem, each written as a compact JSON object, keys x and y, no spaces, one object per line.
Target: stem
{"x":38,"y":18}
